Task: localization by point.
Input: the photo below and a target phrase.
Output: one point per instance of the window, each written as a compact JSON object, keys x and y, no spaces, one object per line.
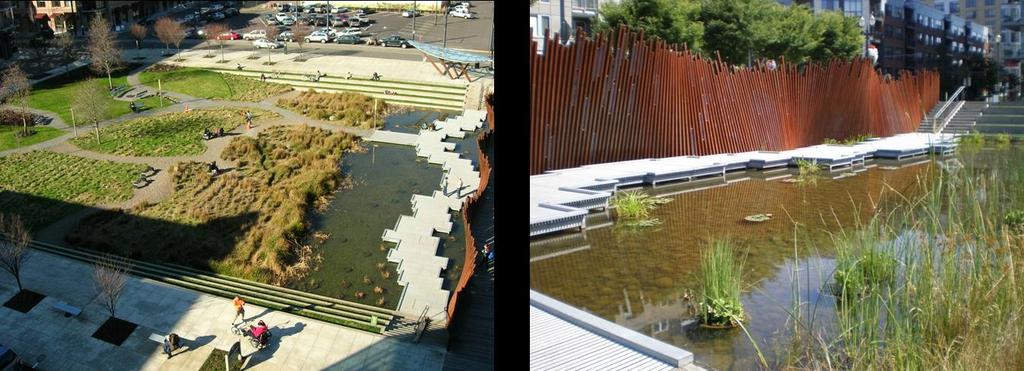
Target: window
{"x":989,"y":13}
{"x":545,"y":24}
{"x":990,"y":2}
{"x":971,"y":3}
{"x":954,"y":7}
{"x":941,"y":6}
{"x":971,"y":14}
{"x":40,"y":4}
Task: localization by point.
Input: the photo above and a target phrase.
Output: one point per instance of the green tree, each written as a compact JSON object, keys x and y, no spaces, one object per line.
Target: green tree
{"x":673,"y":21}
{"x":786,"y":32}
{"x":727,"y":29}
{"x":984,"y":73}
{"x":841,"y":37}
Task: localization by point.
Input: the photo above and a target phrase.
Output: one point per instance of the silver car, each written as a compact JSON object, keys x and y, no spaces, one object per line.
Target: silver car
{"x":264,"y":43}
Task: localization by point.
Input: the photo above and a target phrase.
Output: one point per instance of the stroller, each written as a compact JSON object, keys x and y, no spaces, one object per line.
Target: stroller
{"x":259,"y":342}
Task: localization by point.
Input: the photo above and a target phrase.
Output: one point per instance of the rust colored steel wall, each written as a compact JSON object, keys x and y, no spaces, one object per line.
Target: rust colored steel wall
{"x":600,"y":101}
{"x":469,"y":208}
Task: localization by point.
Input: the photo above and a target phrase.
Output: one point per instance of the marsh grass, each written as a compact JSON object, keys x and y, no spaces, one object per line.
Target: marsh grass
{"x":933,"y":283}
{"x":973,"y":139}
{"x":721,"y":282}
{"x":347,"y":108}
{"x":635,"y":206}
{"x":1001,"y":140}
{"x":808,"y":167}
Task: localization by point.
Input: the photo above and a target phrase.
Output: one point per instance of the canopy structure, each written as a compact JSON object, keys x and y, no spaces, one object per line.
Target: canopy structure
{"x":455,"y":62}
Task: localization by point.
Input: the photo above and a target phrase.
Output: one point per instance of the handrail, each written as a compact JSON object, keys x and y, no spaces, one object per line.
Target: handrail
{"x":956,"y":94}
{"x":949,"y":118}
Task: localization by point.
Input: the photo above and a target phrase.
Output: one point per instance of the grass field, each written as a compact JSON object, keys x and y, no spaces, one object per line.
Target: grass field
{"x":169,"y":134}
{"x":212,"y":85}
{"x":56,"y":95}
{"x":348,"y":109}
{"x":250,"y":222}
{"x":39,"y":185}
{"x":8,"y":141}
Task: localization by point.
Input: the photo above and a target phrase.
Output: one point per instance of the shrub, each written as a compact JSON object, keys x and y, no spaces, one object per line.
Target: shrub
{"x":1002,"y":139}
{"x":1014,"y":220}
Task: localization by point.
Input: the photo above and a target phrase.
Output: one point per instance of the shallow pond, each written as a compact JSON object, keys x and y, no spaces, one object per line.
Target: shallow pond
{"x":643,"y":279}
{"x":385,"y":177}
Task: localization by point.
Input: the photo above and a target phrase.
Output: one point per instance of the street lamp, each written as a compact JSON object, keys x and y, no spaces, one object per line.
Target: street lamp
{"x":867,"y":25}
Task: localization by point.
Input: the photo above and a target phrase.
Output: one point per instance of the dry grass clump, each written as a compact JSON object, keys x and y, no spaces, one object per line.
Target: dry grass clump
{"x":349,"y":109}
{"x":248,"y":222}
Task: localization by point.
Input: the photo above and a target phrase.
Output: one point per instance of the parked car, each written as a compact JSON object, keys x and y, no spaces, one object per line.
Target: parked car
{"x":281,"y":16}
{"x":348,"y":39}
{"x":231,"y":12}
{"x":264,"y":43}
{"x":218,"y":16}
{"x":230,"y":35}
{"x":341,"y":9}
{"x":288,"y":21}
{"x":355,"y":31}
{"x":255,"y":35}
{"x":286,"y":36}
{"x":216,"y":7}
{"x":319,"y":36}
{"x":191,"y":33}
{"x":394,"y":40}
{"x":409,"y":13}
{"x":461,"y":13}
{"x":365,"y":11}
{"x":359,"y":20}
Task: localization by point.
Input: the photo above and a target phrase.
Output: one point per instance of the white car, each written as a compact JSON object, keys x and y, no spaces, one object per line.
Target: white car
{"x":281,"y":16}
{"x":264,"y":43}
{"x":360,"y":19}
{"x":319,"y":36}
{"x":461,"y":13}
{"x":340,"y":10}
{"x":354,"y":31}
{"x":409,"y":13}
{"x":255,"y":35}
{"x":288,"y":21}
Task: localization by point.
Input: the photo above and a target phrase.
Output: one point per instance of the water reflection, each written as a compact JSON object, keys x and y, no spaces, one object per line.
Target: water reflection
{"x":643,"y":279}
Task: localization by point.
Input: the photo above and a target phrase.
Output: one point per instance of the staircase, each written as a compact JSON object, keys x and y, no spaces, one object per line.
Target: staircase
{"x":341,"y":312}
{"x":963,"y":119}
{"x":409,"y":93}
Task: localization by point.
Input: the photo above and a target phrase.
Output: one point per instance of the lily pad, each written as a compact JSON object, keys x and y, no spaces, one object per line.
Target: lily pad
{"x":758,"y":218}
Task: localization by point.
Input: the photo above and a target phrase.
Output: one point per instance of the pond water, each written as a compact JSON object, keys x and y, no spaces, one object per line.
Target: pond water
{"x":385,"y":178}
{"x":643,"y":279}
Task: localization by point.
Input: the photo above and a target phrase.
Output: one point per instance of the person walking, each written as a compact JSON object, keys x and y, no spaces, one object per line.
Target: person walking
{"x":248,"y":120}
{"x":263,"y":77}
{"x":239,"y":309}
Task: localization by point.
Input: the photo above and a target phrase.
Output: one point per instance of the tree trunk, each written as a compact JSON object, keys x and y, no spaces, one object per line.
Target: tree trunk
{"x":222,"y":53}
{"x":97,"y":126}
{"x":110,"y":81}
{"x":24,"y":122}
{"x":17,"y":277}
{"x":137,"y":45}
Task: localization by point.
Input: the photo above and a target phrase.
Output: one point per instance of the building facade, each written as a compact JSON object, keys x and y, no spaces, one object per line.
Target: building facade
{"x":561,"y":17}
{"x":72,"y":16}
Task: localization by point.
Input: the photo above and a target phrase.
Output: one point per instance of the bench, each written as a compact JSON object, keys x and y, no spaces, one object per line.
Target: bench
{"x":150,"y":171}
{"x":69,"y":311}
{"x":42,"y":120}
{"x":119,"y":90}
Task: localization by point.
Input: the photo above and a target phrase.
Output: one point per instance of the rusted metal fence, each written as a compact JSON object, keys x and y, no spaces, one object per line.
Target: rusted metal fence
{"x":613,"y":99}
{"x":468,"y":209}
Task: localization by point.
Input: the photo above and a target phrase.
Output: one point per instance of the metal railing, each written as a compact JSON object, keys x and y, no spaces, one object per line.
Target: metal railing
{"x":958,"y":94}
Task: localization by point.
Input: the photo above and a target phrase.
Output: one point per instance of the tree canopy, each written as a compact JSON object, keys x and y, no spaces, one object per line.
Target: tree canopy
{"x":740,"y":30}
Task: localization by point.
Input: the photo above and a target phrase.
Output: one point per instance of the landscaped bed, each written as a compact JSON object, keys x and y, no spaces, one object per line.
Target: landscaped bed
{"x":169,"y":134}
{"x":348,"y":109}
{"x":211,"y":85}
{"x":45,"y":186}
{"x":249,"y":222}
{"x":55,"y":95}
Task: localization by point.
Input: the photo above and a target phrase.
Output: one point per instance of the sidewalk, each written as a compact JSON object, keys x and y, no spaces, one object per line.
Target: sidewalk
{"x":364,"y":67}
{"x":203,"y":321}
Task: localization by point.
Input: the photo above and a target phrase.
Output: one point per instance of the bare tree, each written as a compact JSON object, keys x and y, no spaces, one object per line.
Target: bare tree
{"x":164,"y":28}
{"x":139,"y":33}
{"x":65,"y":44}
{"x":177,"y":36}
{"x":88,"y":104}
{"x":110,"y":274}
{"x":214,"y":32}
{"x":16,"y":87}
{"x":299,"y":33}
{"x":103,"y":51}
{"x":14,"y":240}
{"x":271,"y":35}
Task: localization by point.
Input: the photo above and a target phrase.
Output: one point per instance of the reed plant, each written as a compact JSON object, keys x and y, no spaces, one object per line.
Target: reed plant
{"x":635,"y":207}
{"x":937,"y":283}
{"x":808,"y":167}
{"x":721,"y":280}
{"x":973,"y":139}
{"x":1001,"y":140}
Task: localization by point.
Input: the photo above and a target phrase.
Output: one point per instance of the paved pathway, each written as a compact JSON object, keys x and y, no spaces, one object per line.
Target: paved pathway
{"x":203,"y":321}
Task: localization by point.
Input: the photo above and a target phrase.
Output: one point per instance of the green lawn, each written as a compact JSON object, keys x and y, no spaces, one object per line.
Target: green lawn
{"x":9,"y":141}
{"x":168,"y":134}
{"x":56,"y":95}
{"x":44,"y":186}
{"x":212,"y":85}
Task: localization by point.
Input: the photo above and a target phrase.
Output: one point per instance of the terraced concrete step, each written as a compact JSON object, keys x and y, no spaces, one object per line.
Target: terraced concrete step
{"x":257,"y":294}
{"x":450,"y":88}
{"x":365,"y":84}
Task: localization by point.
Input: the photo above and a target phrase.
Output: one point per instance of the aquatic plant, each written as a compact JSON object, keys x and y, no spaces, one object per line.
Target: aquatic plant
{"x":378,"y":290}
{"x":856,"y":139}
{"x":385,"y":274}
{"x":635,"y":206}
{"x":830,"y":141}
{"x":381,"y":266}
{"x":808,"y":167}
{"x":721,"y":279}
{"x":974,"y":138}
{"x":862,"y":264}
{"x":1001,"y":140}
{"x":1014,"y":220}
{"x":360,"y":294}
{"x":366,"y":280}
{"x":380,"y":302}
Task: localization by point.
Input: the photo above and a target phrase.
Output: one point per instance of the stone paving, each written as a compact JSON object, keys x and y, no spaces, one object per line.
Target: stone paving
{"x":203,"y":321}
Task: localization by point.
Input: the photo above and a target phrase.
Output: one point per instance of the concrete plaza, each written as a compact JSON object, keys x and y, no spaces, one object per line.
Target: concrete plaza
{"x":203,"y":321}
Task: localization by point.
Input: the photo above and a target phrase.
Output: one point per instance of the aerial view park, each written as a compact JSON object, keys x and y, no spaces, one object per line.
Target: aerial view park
{"x":173,"y":196}
{"x":717,"y":189}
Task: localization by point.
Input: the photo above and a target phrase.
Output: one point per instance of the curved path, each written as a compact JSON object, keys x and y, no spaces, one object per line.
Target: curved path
{"x":160,"y":188}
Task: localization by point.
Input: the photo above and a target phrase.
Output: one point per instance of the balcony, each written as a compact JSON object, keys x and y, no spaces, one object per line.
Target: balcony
{"x":584,"y":8}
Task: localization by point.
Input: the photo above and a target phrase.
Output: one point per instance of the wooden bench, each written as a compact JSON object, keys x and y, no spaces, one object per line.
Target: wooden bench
{"x":119,"y":90}
{"x":67,"y":309}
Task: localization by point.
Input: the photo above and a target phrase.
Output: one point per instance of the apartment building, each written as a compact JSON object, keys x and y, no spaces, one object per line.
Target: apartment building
{"x":561,"y":17}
